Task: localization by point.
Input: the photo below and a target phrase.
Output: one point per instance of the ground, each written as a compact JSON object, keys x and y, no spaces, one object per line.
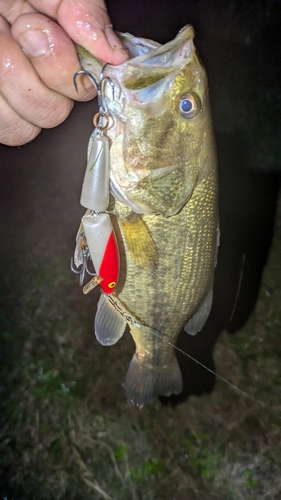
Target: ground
{"x":66,"y":429}
{"x":68,"y":432}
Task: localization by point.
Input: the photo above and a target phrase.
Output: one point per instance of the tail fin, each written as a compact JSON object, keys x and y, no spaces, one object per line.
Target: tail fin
{"x":144,"y":382}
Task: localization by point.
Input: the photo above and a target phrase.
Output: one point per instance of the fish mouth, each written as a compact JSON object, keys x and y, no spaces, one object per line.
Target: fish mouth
{"x":153,"y":53}
{"x":150,"y":64}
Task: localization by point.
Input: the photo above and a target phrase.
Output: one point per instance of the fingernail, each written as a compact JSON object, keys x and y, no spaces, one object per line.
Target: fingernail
{"x":112,"y":38}
{"x":34,"y":43}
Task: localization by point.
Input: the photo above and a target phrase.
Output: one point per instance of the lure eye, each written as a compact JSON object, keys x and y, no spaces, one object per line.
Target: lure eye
{"x":112,"y":284}
{"x":189,"y":105}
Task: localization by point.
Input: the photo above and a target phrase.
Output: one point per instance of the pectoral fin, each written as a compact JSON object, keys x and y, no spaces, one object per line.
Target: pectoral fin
{"x":139,"y":242}
{"x":109,"y":324}
{"x":198,"y":320}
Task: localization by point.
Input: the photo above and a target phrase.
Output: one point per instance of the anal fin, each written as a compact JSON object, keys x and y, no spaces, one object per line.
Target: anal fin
{"x":109,"y":324}
{"x":198,"y":320}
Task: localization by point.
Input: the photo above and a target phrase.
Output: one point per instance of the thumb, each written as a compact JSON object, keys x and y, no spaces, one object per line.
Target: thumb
{"x":87,"y":23}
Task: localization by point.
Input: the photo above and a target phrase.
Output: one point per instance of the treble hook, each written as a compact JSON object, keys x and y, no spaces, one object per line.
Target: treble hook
{"x":84,"y":268}
{"x":99,"y":85}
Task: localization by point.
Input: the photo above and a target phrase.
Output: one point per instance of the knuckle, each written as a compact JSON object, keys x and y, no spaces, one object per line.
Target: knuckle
{"x":54,"y":112}
{"x":86,"y":95}
{"x":63,"y":85}
{"x":14,"y":130}
{"x":11,"y":9}
{"x":19,"y":134}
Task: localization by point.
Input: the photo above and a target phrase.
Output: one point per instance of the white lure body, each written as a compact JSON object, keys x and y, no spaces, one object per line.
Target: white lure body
{"x":95,"y":189}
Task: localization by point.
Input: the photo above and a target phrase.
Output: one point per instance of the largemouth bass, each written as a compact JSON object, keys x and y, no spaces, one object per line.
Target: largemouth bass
{"x":163,"y":206}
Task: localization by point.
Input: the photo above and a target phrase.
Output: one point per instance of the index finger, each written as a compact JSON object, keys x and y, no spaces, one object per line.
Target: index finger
{"x":87,"y":23}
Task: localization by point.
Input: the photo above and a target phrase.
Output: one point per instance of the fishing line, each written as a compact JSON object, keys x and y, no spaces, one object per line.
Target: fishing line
{"x":239,"y":285}
{"x":263,"y":405}
{"x":162,"y":335}
{"x":243,"y":393}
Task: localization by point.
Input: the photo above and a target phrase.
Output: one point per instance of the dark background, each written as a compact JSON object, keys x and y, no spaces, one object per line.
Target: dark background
{"x":239,"y":44}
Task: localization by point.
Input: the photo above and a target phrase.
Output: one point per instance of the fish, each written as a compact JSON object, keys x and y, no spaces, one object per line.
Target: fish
{"x":162,"y":204}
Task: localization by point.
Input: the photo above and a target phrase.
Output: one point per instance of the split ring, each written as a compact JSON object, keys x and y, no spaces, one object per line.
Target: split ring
{"x":96,"y":120}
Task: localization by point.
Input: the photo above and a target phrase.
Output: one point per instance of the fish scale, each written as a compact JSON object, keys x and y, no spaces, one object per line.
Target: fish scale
{"x":163,"y":206}
{"x":164,"y":310}
{"x":196,"y":266}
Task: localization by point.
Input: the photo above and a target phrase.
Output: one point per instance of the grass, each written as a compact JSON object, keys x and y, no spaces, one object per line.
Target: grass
{"x":68,"y":433}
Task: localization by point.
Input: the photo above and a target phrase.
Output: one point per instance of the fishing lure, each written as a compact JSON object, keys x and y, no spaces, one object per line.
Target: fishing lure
{"x":96,"y":239}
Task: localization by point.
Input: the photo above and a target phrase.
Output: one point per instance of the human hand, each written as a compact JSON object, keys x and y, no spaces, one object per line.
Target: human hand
{"x":38,"y":60}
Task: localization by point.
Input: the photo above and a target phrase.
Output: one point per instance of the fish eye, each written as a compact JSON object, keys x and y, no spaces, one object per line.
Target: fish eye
{"x":189,"y":105}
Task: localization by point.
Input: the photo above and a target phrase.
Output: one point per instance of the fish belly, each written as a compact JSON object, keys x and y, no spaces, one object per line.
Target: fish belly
{"x":161,"y":299}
